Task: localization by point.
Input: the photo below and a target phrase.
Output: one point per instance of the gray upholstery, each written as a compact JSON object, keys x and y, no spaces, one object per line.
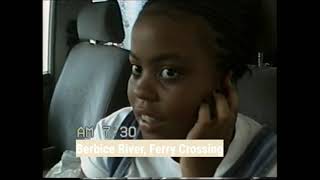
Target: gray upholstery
{"x":94,"y":22}
{"x":258,"y":95}
{"x":92,"y":84}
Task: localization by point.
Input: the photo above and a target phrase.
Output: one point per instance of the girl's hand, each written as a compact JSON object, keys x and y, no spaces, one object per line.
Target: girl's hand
{"x":221,"y":126}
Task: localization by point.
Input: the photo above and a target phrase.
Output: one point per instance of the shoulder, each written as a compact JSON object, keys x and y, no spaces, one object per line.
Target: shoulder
{"x":245,"y":122}
{"x":96,"y":167}
{"x":111,"y":122}
{"x":245,"y":130}
{"x":249,"y":146}
{"x":117,"y":115}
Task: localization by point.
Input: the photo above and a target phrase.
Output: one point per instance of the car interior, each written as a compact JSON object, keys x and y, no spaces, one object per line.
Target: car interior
{"x":89,"y":70}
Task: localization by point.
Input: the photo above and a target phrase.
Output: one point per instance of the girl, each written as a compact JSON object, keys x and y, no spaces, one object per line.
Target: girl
{"x":186,"y":57}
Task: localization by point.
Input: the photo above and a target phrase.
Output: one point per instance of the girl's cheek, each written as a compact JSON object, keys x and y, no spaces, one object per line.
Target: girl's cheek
{"x":130,"y":93}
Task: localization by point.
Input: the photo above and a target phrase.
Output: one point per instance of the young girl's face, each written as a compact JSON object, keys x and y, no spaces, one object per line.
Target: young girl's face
{"x":172,"y":73}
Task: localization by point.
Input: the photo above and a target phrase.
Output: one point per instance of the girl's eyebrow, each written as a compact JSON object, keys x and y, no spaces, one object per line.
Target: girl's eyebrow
{"x":168,"y":57}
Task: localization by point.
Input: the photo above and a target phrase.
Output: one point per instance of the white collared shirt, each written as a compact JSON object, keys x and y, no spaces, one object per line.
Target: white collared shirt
{"x":246,"y":128}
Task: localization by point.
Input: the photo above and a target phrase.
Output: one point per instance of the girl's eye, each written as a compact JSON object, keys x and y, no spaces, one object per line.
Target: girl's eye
{"x":136,"y":70}
{"x":169,"y":73}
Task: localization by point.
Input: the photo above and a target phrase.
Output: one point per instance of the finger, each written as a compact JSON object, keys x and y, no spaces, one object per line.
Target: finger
{"x":204,"y":113}
{"x":202,"y":122}
{"x":223,"y":111}
{"x":232,"y":95}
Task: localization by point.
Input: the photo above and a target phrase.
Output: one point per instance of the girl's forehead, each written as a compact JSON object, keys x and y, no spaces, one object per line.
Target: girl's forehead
{"x":185,"y":26}
{"x":160,"y":33}
{"x":156,"y":33}
{"x":174,"y":15}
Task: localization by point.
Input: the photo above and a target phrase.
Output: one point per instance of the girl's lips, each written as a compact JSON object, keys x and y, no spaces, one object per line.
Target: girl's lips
{"x":145,"y":114}
{"x":146,"y":118}
{"x":149,"y":123}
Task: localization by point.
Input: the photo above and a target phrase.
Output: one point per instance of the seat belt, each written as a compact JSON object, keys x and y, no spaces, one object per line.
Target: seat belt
{"x":258,"y":158}
{"x":119,"y":166}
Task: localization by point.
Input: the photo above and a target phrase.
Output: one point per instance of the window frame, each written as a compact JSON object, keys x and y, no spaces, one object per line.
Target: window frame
{"x":51,"y":39}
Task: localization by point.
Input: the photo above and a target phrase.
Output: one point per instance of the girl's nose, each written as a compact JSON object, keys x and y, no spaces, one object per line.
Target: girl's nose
{"x":145,"y":88}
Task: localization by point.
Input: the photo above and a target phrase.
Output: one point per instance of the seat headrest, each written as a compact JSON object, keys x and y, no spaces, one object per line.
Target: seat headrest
{"x":102,"y":22}
{"x":258,"y":95}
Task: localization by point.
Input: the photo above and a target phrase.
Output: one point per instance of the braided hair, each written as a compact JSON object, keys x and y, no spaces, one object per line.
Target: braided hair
{"x":233,"y":20}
